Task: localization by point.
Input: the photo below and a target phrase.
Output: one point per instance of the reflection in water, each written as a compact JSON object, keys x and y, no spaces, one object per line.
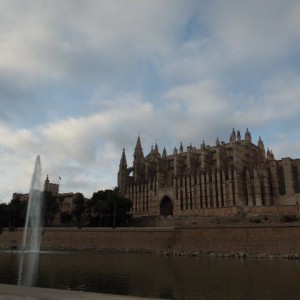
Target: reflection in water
{"x":28,"y":268}
{"x":33,"y":223}
{"x":32,"y":232}
{"x":161,"y":277}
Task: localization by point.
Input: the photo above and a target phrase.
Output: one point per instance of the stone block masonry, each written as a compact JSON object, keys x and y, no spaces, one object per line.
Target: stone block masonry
{"x":107,"y":239}
{"x":255,"y":240}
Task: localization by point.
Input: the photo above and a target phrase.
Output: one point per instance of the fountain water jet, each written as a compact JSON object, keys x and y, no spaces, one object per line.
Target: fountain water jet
{"x":33,"y":228}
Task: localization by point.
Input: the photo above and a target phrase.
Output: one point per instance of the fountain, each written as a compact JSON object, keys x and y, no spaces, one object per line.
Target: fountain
{"x":32,"y":230}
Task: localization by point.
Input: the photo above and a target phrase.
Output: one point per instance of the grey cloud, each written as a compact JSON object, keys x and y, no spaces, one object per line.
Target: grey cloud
{"x":256,"y":30}
{"x":84,"y":77}
{"x":55,"y":37}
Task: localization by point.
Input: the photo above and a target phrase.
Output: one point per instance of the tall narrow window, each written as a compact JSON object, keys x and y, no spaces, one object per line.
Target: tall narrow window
{"x":245,"y":186}
{"x":191,"y":194}
{"x":222,"y":190}
{"x":147,"y":195}
{"x":186,"y":194}
{"x":271,"y":187}
{"x":144,"y":200}
{"x":216,"y":188}
{"x":253,"y":195}
{"x":281,"y":181}
{"x":181,"y":199}
{"x":205,"y":191}
{"x":200,"y":189}
{"x":263,"y":192}
{"x":233,"y":186}
{"x":176,"y":187}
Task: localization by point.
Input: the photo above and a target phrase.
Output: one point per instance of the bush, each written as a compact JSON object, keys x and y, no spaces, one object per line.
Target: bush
{"x":288,"y":218}
{"x":255,"y":220}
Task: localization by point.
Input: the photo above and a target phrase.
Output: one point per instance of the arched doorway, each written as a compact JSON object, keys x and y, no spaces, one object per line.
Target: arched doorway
{"x":166,"y":207}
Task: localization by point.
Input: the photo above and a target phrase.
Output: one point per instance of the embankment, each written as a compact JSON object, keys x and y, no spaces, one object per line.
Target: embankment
{"x":234,"y":240}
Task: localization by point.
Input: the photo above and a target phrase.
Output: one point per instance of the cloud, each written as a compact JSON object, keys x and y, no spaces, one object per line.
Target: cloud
{"x":282,"y":96}
{"x":75,"y":38}
{"x":84,"y":150}
{"x":202,"y":110}
{"x":249,"y":31}
{"x":79,"y":80}
{"x":52,"y":53}
{"x":278,"y":101}
{"x":237,"y":41}
{"x":14,"y":140}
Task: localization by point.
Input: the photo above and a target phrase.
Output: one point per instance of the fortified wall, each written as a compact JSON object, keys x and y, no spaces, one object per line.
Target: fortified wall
{"x":252,"y":240}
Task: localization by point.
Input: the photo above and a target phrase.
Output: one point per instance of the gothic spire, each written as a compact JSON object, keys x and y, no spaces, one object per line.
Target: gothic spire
{"x":238,"y":134}
{"x":261,"y":146}
{"x":233,"y":136}
{"x":164,"y":154}
{"x":138,"y":144}
{"x":122,"y":171}
{"x":175,"y":151}
{"x":181,"y":148}
{"x":138,"y":151}
{"x":248,"y":136}
{"x":123,"y":161}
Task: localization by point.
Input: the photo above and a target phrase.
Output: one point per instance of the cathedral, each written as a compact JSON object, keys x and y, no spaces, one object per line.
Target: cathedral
{"x":220,"y":180}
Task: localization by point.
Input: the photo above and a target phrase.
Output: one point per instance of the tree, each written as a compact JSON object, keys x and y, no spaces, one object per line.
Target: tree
{"x":123,"y":207}
{"x":99,"y":209}
{"x":3,"y":215}
{"x":79,"y":208}
{"x":109,"y":208}
{"x":50,"y":209}
{"x":16,"y":213}
{"x":65,"y":218}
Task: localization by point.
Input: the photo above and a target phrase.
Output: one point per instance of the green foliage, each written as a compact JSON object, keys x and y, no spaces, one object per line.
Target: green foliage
{"x":3,"y":215}
{"x":50,"y":208}
{"x":288,"y":218}
{"x":66,"y":218}
{"x":16,"y":213}
{"x":108,"y":208}
{"x":79,"y":208}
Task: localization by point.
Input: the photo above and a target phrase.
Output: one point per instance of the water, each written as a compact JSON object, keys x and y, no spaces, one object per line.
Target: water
{"x":31,"y":242}
{"x":161,"y":276}
{"x":33,"y":224}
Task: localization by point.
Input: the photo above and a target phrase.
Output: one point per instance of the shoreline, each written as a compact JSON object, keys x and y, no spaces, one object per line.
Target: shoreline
{"x":169,"y":252}
{"x":18,"y":292}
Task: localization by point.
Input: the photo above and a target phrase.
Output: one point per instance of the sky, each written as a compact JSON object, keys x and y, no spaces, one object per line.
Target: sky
{"x":81,"y":79}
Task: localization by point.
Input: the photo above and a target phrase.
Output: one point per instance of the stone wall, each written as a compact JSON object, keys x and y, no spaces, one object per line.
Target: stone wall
{"x":253,"y":240}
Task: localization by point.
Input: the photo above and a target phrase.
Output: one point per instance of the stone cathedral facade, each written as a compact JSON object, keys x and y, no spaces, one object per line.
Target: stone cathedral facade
{"x":224,"y":179}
